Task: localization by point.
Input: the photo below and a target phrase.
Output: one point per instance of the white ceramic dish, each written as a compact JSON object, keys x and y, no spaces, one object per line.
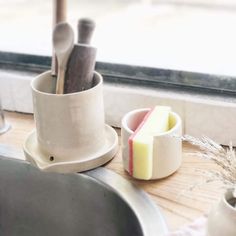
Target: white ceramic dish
{"x":40,"y":159}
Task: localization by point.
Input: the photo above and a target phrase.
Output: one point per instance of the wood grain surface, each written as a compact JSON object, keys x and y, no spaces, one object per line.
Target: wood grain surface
{"x":178,"y":204}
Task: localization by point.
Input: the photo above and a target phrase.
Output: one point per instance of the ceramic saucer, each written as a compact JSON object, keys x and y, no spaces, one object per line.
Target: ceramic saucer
{"x":39,"y":159}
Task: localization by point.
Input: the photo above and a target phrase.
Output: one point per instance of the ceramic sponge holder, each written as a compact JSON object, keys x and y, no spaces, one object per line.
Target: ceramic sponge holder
{"x":71,"y":134}
{"x":167,"y":146}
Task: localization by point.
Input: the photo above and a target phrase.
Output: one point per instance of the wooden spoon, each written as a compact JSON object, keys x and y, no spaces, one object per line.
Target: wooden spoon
{"x":63,"y":42}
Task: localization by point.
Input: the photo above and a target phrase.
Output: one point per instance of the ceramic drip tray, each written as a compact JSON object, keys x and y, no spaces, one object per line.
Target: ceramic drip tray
{"x":97,"y":202}
{"x":47,"y":162}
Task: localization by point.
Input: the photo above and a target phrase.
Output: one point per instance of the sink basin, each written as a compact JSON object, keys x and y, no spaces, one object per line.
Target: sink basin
{"x":97,"y":202}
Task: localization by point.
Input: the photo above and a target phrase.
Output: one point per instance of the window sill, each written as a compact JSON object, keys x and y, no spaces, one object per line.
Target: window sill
{"x":202,"y":114}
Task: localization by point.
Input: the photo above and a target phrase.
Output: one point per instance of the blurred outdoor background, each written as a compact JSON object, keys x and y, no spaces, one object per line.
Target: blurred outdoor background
{"x":193,"y":35}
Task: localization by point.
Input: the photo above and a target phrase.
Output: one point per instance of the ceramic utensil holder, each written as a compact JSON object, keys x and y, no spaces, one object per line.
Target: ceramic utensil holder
{"x":167,"y":146}
{"x":69,"y":127}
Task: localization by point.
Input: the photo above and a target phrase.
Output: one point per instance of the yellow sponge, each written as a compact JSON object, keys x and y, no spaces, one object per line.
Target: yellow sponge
{"x":155,"y":122}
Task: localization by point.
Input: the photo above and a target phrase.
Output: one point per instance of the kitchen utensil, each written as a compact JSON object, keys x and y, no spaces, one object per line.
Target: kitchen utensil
{"x":59,"y":15}
{"x":79,"y":74}
{"x":63,"y":41}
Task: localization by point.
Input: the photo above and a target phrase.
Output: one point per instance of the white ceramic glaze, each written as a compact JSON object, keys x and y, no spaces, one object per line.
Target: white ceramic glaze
{"x":69,"y":127}
{"x":167,"y":149}
{"x":222,"y":218}
{"x":39,"y":159}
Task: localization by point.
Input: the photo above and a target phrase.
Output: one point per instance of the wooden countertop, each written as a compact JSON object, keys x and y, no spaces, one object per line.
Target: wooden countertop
{"x":178,"y":209}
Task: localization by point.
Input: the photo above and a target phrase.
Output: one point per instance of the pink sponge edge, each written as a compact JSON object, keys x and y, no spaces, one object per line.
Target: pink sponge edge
{"x":131,"y":139}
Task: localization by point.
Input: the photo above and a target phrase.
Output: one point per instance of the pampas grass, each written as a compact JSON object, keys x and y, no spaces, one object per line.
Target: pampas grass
{"x":223,"y":157}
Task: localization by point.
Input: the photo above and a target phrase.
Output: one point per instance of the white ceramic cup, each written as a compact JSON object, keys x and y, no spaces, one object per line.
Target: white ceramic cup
{"x":222,"y":217}
{"x":68,"y":126}
{"x":167,"y":146}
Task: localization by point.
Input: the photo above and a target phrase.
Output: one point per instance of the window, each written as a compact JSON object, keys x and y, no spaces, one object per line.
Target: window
{"x":181,"y":35}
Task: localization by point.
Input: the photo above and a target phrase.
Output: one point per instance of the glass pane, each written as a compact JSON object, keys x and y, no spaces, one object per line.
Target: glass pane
{"x":192,"y":35}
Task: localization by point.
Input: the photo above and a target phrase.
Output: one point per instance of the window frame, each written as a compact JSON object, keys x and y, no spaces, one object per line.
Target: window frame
{"x":201,"y":109}
{"x":176,"y":80}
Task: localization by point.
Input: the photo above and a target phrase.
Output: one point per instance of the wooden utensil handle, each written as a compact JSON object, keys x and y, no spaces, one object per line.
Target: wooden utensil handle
{"x":85,"y":30}
{"x":60,"y":8}
{"x":59,"y":15}
{"x":60,"y":81}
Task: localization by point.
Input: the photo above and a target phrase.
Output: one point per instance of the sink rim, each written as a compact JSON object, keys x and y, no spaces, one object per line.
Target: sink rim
{"x":146,"y":211}
{"x":148,"y":214}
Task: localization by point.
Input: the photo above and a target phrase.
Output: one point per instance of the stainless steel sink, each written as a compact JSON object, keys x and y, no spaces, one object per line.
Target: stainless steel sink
{"x":97,"y":202}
